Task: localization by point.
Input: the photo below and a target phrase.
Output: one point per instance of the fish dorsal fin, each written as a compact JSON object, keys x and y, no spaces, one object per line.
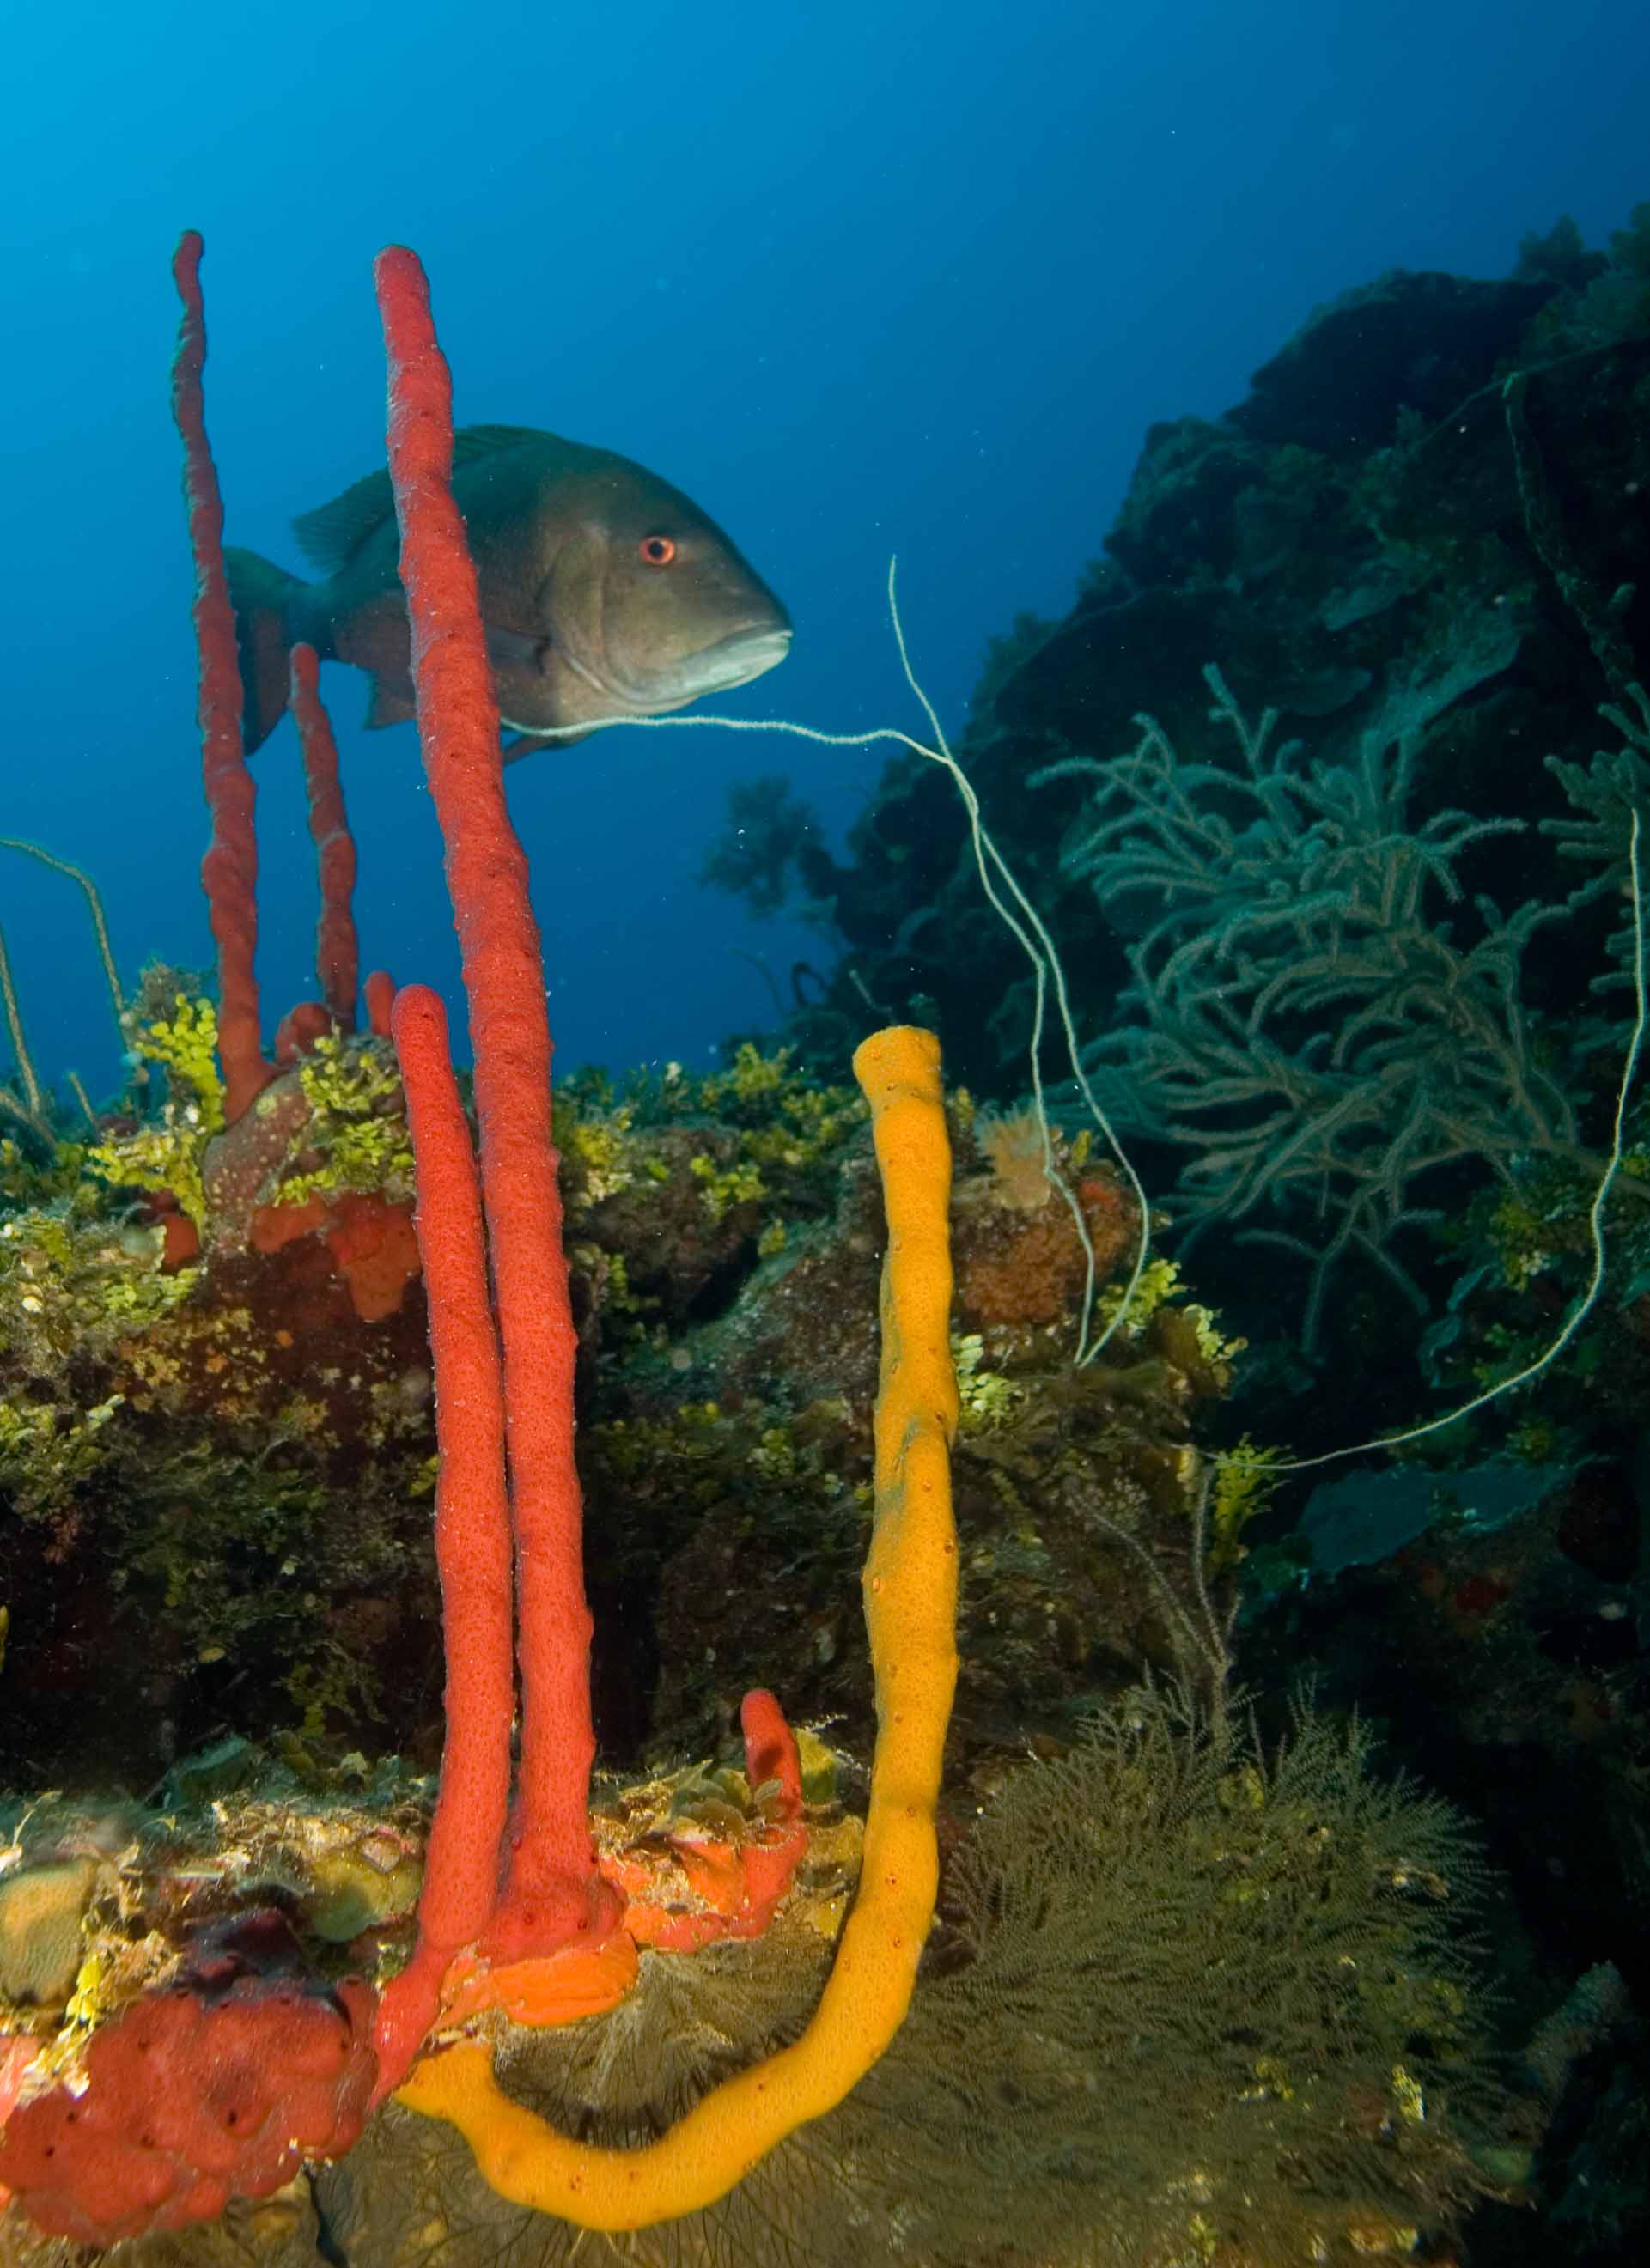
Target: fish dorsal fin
{"x":471,"y":443}
{"x":330,"y":536}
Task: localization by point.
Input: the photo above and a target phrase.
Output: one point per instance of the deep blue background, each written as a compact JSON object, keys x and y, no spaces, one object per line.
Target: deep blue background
{"x":859,"y":277}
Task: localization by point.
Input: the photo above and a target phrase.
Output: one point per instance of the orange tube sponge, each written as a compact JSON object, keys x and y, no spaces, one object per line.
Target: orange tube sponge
{"x":910,"y":1584}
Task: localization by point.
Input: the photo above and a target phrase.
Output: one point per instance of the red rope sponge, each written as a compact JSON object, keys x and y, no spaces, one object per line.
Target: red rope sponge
{"x":553,"y":1893}
{"x":461,"y":1880}
{"x":337,"y":955}
{"x":379,"y":992}
{"x":229,"y":870}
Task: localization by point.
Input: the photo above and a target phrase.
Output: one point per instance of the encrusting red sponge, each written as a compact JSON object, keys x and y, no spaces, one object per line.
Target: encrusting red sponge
{"x":219,"y":2086}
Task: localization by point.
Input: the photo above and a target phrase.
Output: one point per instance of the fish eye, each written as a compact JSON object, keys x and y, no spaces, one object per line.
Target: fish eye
{"x":656,"y":550}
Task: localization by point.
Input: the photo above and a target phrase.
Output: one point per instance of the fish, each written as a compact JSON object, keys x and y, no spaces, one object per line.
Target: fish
{"x":605,"y":592}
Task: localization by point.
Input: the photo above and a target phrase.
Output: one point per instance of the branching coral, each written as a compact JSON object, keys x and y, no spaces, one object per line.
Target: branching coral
{"x":770,"y":834}
{"x":1303,"y":1020}
{"x":1606,"y":794}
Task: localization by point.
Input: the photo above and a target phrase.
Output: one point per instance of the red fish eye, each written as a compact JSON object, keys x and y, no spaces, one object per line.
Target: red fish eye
{"x":657,"y":550}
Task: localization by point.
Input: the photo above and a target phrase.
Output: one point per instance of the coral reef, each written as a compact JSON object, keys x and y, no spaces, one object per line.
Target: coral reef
{"x":219,"y":1469}
{"x":1195,"y":1991}
{"x":216,"y":1464}
{"x":1359,"y":973}
{"x":1187,"y":2000}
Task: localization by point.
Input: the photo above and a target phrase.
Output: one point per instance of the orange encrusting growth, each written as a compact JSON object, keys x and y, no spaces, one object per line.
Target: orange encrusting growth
{"x":738,"y":1889}
{"x":910,"y":1581}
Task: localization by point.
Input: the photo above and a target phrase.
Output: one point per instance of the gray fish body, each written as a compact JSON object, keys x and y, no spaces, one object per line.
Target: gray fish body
{"x":605,"y":592}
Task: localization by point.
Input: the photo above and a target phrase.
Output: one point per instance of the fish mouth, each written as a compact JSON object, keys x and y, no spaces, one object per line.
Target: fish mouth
{"x":736,"y":659}
{"x":731,"y":660}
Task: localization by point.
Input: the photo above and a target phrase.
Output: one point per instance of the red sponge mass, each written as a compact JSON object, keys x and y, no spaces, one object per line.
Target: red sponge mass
{"x":218,"y":2088}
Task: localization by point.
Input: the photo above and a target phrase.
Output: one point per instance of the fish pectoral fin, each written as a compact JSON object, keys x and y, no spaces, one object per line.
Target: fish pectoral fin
{"x":514,"y":649}
{"x":528,"y":742}
{"x":391,"y":703}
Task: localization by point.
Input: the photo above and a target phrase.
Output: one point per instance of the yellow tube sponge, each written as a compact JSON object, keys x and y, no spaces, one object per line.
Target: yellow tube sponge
{"x":911,"y":1586}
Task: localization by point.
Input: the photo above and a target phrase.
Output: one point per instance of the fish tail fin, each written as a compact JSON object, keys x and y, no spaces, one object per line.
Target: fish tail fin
{"x":262,"y":595}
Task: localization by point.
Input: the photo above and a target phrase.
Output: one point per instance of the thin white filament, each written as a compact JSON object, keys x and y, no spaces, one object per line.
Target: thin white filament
{"x":1032,"y":935}
{"x":1027,"y":927}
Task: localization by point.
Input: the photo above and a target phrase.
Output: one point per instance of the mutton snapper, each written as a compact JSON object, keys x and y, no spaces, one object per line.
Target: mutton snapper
{"x":604,"y":591}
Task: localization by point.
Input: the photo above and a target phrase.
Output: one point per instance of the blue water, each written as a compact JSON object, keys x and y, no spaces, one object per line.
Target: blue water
{"x":859,"y":278}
